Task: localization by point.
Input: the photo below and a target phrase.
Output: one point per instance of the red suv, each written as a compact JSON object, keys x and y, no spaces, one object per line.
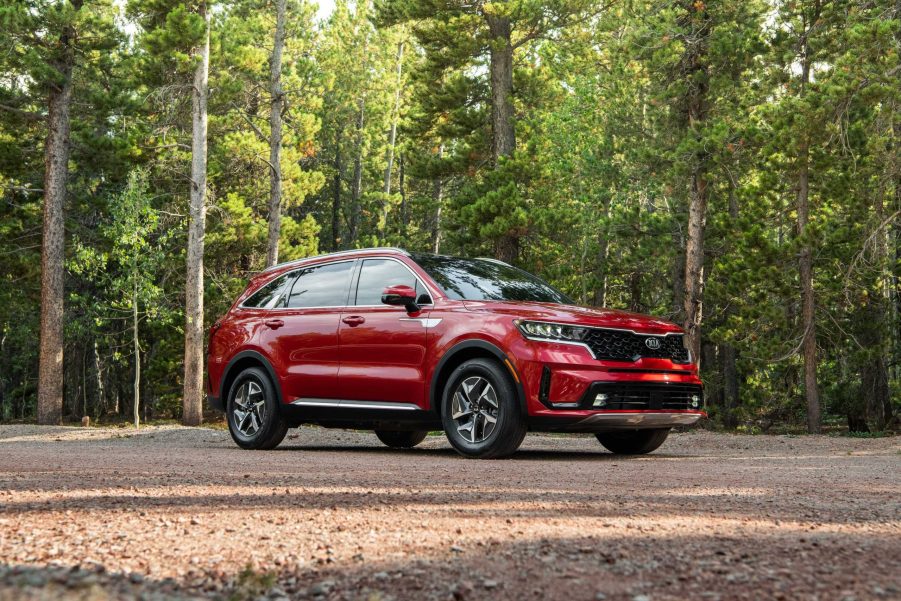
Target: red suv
{"x":404,"y":343}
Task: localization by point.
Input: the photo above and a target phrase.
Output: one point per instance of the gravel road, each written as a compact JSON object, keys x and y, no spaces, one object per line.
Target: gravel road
{"x":173,"y":512}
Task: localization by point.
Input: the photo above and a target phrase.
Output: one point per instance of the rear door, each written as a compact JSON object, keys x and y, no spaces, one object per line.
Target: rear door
{"x":383,"y":348}
{"x":301,"y":335}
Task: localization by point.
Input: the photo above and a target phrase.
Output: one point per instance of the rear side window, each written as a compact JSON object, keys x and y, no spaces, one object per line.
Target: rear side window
{"x":377,"y":274}
{"x":321,"y":286}
{"x":272,"y":295}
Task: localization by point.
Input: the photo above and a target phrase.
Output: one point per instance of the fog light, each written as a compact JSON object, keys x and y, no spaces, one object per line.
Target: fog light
{"x":600,"y":400}
{"x":695,"y":399}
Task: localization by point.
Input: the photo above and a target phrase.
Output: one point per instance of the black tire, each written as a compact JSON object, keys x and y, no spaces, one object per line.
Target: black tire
{"x":507,"y":431}
{"x":633,"y":442}
{"x":401,"y":439}
{"x":271,"y":428}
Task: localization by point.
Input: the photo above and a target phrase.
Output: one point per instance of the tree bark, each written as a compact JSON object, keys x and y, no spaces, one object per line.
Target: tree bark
{"x":896,"y":228}
{"x":600,"y":292}
{"x":193,"y":384}
{"x":503,"y":124}
{"x":336,"y":192}
{"x":438,"y":199}
{"x":137,"y":349}
{"x":404,"y":216}
{"x":697,"y":207}
{"x":728,"y":352}
{"x":98,"y":371}
{"x":729,"y":358}
{"x":356,"y":191}
{"x":805,"y":270}
{"x":275,"y":134}
{"x":875,"y":323}
{"x":392,"y":136}
{"x":56,"y":171}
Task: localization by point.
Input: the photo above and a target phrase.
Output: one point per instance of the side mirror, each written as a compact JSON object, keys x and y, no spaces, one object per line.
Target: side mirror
{"x":401,"y":296}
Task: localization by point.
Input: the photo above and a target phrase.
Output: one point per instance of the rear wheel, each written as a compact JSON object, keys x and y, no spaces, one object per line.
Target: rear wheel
{"x":253,"y":413}
{"x":401,"y":439}
{"x":633,"y":442}
{"x":481,"y":413}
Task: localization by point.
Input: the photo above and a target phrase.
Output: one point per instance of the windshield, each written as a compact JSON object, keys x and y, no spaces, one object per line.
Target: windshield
{"x":485,"y":279}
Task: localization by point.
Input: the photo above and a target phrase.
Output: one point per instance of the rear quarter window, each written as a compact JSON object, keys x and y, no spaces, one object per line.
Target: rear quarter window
{"x":271,"y":295}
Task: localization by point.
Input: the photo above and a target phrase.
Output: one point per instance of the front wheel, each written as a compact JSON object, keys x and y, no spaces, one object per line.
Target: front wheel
{"x":480,"y":411}
{"x":252,"y":409}
{"x":633,"y":442}
{"x":401,"y":439}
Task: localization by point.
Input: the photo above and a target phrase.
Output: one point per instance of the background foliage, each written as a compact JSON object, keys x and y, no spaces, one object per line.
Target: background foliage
{"x":595,"y":194}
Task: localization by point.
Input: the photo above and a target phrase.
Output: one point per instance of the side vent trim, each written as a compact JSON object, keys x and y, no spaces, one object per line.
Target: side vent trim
{"x":544,"y":388}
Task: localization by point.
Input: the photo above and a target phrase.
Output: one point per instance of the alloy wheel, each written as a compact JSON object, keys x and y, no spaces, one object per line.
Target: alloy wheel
{"x":249,"y":408}
{"x":475,"y":409}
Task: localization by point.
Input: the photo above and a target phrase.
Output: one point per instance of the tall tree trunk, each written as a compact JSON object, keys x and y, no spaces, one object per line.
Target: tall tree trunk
{"x":275,"y":134}
{"x":728,"y":352}
{"x":503,"y":124}
{"x":98,"y":371}
{"x":392,"y":135}
{"x":404,"y":216}
{"x":137,"y":349}
{"x":438,"y":200}
{"x":729,"y":358}
{"x":56,"y":171}
{"x":193,"y":384}
{"x":896,"y":227}
{"x":805,"y":270}
{"x":336,"y":192}
{"x":356,"y":191}
{"x":697,"y":206}
{"x":600,"y":292}
{"x":876,"y":322}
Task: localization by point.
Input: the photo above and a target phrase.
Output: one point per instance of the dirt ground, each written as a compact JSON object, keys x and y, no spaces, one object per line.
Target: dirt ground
{"x":173,"y":512}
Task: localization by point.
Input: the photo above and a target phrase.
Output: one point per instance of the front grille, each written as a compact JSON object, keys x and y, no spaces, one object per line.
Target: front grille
{"x":644,"y":395}
{"x":619,"y":345}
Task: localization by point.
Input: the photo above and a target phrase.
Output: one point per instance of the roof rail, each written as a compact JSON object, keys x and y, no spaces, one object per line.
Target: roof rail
{"x":336,"y":254}
{"x":493,"y":260}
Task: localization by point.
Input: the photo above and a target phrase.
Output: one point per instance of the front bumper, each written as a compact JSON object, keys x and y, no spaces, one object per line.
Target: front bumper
{"x":567,"y":390}
{"x":610,"y":421}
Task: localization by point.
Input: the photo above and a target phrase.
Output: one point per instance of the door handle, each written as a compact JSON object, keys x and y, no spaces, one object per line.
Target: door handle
{"x":274,"y":323}
{"x":354,"y":320}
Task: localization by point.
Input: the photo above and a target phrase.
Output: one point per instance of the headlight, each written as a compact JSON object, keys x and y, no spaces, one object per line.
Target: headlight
{"x":551,"y":331}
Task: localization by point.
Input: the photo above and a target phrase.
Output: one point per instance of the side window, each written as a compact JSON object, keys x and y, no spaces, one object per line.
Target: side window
{"x":321,"y":286}
{"x":272,"y":295}
{"x":377,"y":274}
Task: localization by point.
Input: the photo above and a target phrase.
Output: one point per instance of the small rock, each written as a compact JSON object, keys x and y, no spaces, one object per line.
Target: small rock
{"x":489,"y":584}
{"x":599,"y":596}
{"x":322,"y":588}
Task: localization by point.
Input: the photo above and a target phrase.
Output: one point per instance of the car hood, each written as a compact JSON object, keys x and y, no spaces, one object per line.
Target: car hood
{"x":572,"y":314}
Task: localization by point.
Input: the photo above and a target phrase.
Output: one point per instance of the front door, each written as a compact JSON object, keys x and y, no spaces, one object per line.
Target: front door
{"x":383,"y":348}
{"x":302,"y":335}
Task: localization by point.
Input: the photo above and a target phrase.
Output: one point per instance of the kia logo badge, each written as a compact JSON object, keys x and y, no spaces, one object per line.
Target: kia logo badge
{"x":652,"y":343}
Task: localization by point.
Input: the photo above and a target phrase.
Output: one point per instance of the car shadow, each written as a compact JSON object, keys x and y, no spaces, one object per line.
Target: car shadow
{"x":520,"y":455}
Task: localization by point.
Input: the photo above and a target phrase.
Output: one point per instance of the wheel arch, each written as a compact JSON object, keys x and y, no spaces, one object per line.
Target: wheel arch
{"x":239,"y":363}
{"x":464,"y":351}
